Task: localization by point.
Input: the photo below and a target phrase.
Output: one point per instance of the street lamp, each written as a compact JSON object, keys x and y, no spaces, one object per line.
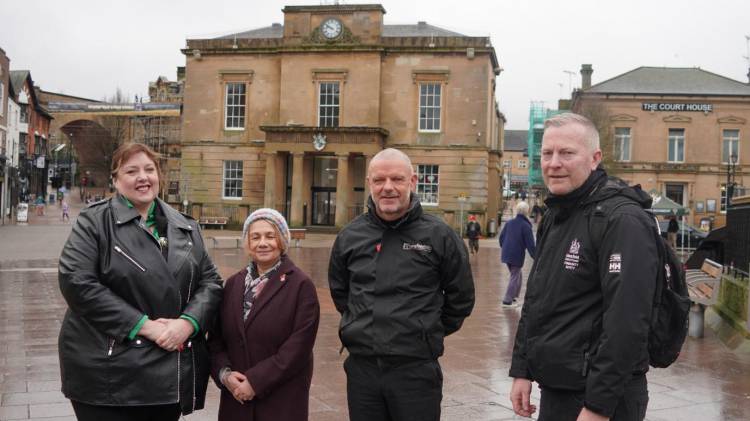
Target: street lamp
{"x":731,"y":168}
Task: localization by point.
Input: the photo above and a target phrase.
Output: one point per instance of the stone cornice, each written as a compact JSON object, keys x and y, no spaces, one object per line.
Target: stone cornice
{"x":315,"y":129}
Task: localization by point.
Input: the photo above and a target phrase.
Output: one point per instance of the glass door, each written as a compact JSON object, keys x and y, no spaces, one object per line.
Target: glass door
{"x":324,"y":206}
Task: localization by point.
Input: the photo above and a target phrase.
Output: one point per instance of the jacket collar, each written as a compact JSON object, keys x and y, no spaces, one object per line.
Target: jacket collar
{"x":273,"y":286}
{"x":124,"y":214}
{"x":414,"y":212}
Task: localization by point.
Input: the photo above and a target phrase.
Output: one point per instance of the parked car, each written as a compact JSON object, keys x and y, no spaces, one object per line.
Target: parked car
{"x":693,"y":236}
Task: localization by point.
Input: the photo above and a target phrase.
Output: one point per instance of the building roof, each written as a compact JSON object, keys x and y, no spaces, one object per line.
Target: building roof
{"x":17,"y":79}
{"x":516,"y":140}
{"x":274,"y":31}
{"x":421,"y":29}
{"x":670,"y":81}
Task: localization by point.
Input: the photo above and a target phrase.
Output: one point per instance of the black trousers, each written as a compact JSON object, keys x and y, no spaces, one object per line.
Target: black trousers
{"x":393,"y":388}
{"x":565,"y":405}
{"x":86,"y":412}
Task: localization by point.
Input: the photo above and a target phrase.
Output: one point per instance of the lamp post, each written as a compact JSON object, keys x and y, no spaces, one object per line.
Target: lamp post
{"x":462,"y":198}
{"x":731,"y":167}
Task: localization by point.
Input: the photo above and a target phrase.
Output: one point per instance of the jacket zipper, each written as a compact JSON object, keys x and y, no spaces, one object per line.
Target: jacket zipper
{"x":111,"y":347}
{"x":585,"y":368}
{"x":119,"y":250}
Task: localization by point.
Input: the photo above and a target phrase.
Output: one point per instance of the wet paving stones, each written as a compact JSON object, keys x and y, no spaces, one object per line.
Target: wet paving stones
{"x":709,"y":382}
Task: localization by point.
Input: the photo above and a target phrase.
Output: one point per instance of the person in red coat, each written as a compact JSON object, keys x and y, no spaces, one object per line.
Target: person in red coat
{"x":262,"y":347}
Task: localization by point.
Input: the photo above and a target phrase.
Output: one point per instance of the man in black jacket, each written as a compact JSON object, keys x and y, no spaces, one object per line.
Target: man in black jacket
{"x":401,"y":280}
{"x":584,"y":326}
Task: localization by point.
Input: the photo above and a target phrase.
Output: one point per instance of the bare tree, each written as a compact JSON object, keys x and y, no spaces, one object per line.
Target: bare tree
{"x":117,"y":98}
{"x":598,"y":113}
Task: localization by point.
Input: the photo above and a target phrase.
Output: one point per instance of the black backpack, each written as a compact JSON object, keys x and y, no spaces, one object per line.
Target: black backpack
{"x":671,"y":306}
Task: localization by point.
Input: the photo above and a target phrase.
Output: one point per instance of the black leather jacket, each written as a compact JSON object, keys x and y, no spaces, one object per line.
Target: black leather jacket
{"x":111,"y":273}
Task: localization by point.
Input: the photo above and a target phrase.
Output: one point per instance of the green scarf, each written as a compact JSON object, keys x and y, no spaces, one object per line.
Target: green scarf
{"x":150,"y":219}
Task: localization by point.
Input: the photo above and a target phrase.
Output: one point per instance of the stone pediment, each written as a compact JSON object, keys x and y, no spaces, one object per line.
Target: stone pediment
{"x":623,"y":117}
{"x":731,"y":120}
{"x":677,"y":119}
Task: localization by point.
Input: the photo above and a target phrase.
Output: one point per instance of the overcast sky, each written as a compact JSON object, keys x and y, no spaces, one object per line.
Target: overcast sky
{"x":90,"y":48}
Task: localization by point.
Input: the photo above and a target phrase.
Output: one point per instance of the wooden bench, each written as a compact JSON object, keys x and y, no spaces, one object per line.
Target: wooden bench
{"x":297,"y":234}
{"x":221,"y":221}
{"x":703,"y":287}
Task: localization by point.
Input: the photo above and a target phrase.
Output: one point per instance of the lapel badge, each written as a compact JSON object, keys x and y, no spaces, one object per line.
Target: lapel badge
{"x":283,"y":277}
{"x":162,"y":242}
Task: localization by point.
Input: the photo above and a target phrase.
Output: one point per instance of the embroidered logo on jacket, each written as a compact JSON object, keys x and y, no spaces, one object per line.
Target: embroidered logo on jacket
{"x":572,"y":258}
{"x":615,"y":263}
{"x":418,"y":247}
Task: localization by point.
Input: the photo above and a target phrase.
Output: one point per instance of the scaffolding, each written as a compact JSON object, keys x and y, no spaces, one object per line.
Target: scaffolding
{"x":537,"y":115}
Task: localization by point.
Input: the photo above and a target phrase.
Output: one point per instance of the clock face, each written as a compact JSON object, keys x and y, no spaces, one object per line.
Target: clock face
{"x":331,"y":28}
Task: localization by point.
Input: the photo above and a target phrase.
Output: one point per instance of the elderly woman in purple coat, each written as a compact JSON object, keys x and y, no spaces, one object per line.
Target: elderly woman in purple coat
{"x":262,"y":348}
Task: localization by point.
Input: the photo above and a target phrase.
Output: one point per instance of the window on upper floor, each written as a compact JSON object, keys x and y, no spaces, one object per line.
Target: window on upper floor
{"x":522,"y":164}
{"x":24,"y":113}
{"x":428,"y":183}
{"x":232,"y":180}
{"x":235,"y":104}
{"x":622,"y":144}
{"x":329,"y":102}
{"x":676,"y":150}
{"x":430,"y":95}
{"x":2,"y":97}
{"x":730,"y":146}
{"x":507,"y":163}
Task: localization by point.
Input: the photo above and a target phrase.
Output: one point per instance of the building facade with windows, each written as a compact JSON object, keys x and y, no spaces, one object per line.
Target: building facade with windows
{"x":289,"y":116}
{"x":515,"y":162}
{"x":34,"y":123}
{"x":5,"y":147}
{"x":679,"y":132}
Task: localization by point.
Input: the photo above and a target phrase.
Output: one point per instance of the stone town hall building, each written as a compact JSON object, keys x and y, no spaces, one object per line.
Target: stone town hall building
{"x":288,"y":116}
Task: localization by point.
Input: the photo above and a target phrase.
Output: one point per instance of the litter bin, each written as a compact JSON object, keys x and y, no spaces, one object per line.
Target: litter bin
{"x":22,"y":212}
{"x":492,"y":228}
{"x":51,"y":198}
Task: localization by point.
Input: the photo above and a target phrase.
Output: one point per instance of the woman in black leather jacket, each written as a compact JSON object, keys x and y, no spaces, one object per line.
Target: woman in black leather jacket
{"x":141,"y":291}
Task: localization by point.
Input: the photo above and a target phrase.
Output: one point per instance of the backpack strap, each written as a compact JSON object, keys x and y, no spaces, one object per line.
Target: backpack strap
{"x":599,"y":212}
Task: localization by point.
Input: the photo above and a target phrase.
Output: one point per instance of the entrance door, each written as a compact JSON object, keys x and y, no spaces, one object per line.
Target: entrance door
{"x":324,"y":206}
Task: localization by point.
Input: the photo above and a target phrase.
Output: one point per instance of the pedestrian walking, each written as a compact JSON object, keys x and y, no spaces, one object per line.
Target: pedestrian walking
{"x":584,"y":326}
{"x":141,"y":291}
{"x":516,"y":238}
{"x":536,"y":213}
{"x":402,"y":281}
{"x":473,"y":232}
{"x":262,"y":349}
{"x":672,"y":229}
{"x":65,"y":211}
{"x":39,"y":205}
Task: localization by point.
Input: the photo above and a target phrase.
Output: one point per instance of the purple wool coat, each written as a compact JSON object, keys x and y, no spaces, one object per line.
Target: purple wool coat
{"x":273,"y":347}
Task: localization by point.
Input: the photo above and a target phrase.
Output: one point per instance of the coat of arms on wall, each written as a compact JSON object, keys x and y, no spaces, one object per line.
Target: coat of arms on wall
{"x":319,"y":141}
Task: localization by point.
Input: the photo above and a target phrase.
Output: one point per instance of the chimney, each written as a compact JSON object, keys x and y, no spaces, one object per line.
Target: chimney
{"x":586,"y":71}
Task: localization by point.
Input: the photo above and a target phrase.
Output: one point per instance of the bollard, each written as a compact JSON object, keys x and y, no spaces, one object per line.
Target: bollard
{"x":695,"y":326}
